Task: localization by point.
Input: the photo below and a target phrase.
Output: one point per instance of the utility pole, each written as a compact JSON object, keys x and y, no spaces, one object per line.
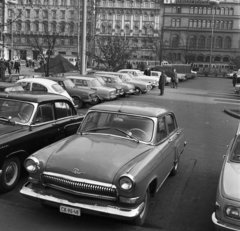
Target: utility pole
{"x":83,"y":42}
{"x":78,"y":35}
{"x":3,"y":28}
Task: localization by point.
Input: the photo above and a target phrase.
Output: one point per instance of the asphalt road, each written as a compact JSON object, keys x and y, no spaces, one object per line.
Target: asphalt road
{"x":186,"y":201}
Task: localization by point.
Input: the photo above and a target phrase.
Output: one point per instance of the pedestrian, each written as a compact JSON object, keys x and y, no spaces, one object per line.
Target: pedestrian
{"x":147,"y":72}
{"x":161,"y":82}
{"x":234,"y":81}
{"x":8,"y":66}
{"x":12,"y":64}
{"x":17,"y":66}
{"x":174,"y":79}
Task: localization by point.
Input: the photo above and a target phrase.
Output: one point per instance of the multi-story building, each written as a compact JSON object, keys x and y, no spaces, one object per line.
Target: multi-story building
{"x":189,"y":26}
{"x":137,"y":19}
{"x":43,"y":19}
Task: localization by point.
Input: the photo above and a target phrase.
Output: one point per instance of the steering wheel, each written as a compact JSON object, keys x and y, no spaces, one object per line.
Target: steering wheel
{"x":143,"y":133}
{"x":23,"y":116}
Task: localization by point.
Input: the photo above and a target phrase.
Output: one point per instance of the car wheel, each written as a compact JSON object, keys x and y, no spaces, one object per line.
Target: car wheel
{"x":175,"y":168}
{"x":10,"y":174}
{"x":140,"y":219}
{"x":78,"y":102}
{"x":138,"y":91}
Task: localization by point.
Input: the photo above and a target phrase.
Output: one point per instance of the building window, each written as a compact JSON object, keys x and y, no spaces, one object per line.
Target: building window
{"x":54,"y":27}
{"x":36,"y":13}
{"x":71,"y":27}
{"x":199,"y":23}
{"x":62,"y":14}
{"x":63,"y":2}
{"x":136,"y":17}
{"x":191,"y":23}
{"x":45,"y":27}
{"x":193,"y":42}
{"x":179,"y":10}
{"x":208,"y":24}
{"x":201,"y":41}
{"x":110,"y":3}
{"x":231,"y":11}
{"x":127,"y":17}
{"x":195,"y":23}
{"x":200,"y":10}
{"x":62,"y":27}
{"x":227,"y":43}
{"x":145,"y":17}
{"x":196,"y":10}
{"x":45,"y":2}
{"x":119,"y":3}
{"x":152,"y":4}
{"x":27,"y":26}
{"x":218,"y":11}
{"x":173,"y":22}
{"x":71,"y":14}
{"x":225,"y":25}
{"x":19,"y":26}
{"x":71,"y":41}
{"x":174,"y":9}
{"x":54,"y":14}
{"x":230,"y":25}
{"x":227,"y":11}
{"x":175,"y":41}
{"x":152,"y":17}
{"x":9,"y":14}
{"x":219,"y":42}
{"x":204,"y":10}
{"x":204,"y":24}
{"x":146,"y":4}
{"x":36,"y":26}
{"x":191,"y":10}
{"x":222,"y":11}
{"x":19,"y":13}
{"x":110,"y":16}
{"x":119,"y":17}
{"x":62,"y":41}
{"x":45,"y":13}
{"x":55,"y":2}
{"x":209,"y":10}
{"x":221,"y":25}
{"x":178,"y":23}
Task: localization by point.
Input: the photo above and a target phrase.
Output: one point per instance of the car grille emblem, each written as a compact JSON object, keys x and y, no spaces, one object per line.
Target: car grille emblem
{"x":76,"y":171}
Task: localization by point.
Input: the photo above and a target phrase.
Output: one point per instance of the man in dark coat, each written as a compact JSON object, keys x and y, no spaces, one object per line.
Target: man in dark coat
{"x":234,"y":81}
{"x":147,"y":72}
{"x":161,"y":83}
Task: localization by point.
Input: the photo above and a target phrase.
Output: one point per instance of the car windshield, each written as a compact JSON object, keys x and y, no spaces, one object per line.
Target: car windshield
{"x":15,"y":88}
{"x":136,"y":127}
{"x":95,"y":83}
{"x":15,"y":111}
{"x":118,"y":80}
{"x":236,"y":151}
{"x":56,"y":87}
{"x":69,"y":83}
{"x":101,"y":80}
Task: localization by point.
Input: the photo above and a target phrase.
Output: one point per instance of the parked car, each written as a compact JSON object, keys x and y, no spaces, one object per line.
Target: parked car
{"x":158,"y":74}
{"x":227,"y":206}
{"x":44,"y":85}
{"x":89,"y":82}
{"x":112,"y":81}
{"x":139,"y":75}
{"x":128,"y":149}
{"x":230,"y":75}
{"x":28,"y":122}
{"x":119,"y":88}
{"x":79,"y":95}
{"x":140,"y":86}
{"x":7,"y":87}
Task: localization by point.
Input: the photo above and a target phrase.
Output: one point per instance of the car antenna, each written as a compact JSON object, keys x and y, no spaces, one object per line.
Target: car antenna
{"x":119,"y":110}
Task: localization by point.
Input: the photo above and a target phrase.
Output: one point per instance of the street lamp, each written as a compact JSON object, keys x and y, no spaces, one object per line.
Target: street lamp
{"x":212,"y":3}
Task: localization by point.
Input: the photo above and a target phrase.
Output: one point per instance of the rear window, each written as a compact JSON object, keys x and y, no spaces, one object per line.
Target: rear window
{"x":57,"y":88}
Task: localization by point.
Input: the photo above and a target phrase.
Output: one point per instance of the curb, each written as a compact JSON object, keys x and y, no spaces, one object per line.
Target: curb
{"x":231,"y":113}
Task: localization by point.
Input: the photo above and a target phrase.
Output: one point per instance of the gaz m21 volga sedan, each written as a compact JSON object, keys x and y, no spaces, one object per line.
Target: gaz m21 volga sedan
{"x":30,"y":121}
{"x":120,"y":156}
{"x":227,"y":206}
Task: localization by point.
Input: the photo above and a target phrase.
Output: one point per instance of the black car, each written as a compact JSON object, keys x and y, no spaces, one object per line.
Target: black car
{"x":6,"y":87}
{"x":80,"y":95}
{"x":30,"y":121}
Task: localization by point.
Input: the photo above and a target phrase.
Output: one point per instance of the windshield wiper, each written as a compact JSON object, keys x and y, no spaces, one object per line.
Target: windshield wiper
{"x":129,"y":134}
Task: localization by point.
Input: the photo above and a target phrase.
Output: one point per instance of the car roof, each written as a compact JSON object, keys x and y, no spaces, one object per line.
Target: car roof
{"x":81,"y":77}
{"x":132,"y":107}
{"x":38,"y":80}
{"x":57,"y":78}
{"x":31,"y":96}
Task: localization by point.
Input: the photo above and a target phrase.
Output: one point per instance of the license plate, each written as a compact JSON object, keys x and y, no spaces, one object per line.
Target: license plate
{"x":70,"y":210}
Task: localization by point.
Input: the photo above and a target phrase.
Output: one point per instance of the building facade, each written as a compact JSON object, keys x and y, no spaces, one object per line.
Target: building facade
{"x":189,"y":26}
{"x":44,"y":19}
{"x":137,"y":19}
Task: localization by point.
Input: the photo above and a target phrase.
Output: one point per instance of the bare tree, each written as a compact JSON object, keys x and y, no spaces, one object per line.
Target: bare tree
{"x":112,"y":52}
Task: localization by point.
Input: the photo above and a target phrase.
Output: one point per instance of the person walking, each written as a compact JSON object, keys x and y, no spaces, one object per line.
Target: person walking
{"x":161,"y":83}
{"x":234,"y":81}
{"x":17,"y":66}
{"x":175,"y":79}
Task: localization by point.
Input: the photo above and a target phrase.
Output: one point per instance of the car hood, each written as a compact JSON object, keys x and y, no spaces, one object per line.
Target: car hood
{"x":7,"y":129}
{"x":97,"y":157}
{"x":231,"y":180}
{"x":148,"y":78}
{"x":127,"y":85}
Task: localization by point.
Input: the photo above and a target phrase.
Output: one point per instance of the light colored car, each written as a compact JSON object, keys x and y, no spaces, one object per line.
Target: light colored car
{"x":227,"y":206}
{"x":158,"y":74}
{"x":112,"y":81}
{"x":230,"y":75}
{"x":140,"y":86}
{"x":89,"y":82}
{"x":122,"y":153}
{"x":44,"y":85}
{"x":7,"y":87}
{"x":139,"y":75}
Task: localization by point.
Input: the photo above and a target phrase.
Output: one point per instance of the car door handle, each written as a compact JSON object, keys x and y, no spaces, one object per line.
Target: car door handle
{"x":169,"y":140}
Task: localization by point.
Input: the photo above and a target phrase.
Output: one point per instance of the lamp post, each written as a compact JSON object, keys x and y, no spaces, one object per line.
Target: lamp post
{"x":212,"y":3}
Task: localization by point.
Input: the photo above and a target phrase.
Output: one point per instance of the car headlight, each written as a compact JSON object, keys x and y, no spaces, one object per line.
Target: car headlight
{"x":126,"y":183}
{"x":232,"y":212}
{"x":112,"y":93}
{"x":31,"y":164}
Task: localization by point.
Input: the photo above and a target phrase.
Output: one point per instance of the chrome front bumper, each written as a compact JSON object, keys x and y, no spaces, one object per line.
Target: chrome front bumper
{"x":40,"y":196}
{"x":219,"y":226}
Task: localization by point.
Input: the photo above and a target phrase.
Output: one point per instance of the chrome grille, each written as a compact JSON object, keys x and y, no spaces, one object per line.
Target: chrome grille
{"x":80,"y":188}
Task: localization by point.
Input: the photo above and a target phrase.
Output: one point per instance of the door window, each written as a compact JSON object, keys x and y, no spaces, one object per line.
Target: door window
{"x":161,"y":130}
{"x":170,"y":123}
{"x":63,"y":110}
{"x":38,"y":87}
{"x":44,"y":113}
